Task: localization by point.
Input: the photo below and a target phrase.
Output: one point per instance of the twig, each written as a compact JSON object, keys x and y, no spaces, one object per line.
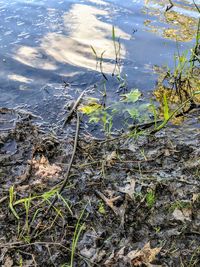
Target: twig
{"x":109,"y":202}
{"x":3,"y":199}
{"x":73,"y":153}
{"x":70,"y":163}
{"x":170,"y":6}
{"x":66,"y":177}
{"x":143,"y":126}
{"x":73,"y":109}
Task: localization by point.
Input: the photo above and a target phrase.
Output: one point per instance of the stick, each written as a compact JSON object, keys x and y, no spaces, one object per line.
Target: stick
{"x":108,"y":201}
{"x":70,"y":163}
{"x":170,"y":6}
{"x":66,"y":177}
{"x":144,"y":125}
{"x":72,"y":111}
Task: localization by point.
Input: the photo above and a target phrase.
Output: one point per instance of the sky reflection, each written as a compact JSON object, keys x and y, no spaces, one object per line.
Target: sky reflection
{"x":83,"y":27}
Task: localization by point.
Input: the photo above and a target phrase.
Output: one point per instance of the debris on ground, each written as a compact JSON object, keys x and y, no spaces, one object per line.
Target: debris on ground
{"x":132,"y":202}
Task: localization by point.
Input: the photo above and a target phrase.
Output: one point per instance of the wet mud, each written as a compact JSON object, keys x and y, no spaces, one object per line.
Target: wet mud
{"x":127,"y":202}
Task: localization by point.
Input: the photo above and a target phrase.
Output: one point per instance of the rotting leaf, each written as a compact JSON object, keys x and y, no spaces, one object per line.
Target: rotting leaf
{"x":144,"y":256}
{"x":8,"y":262}
{"x":114,"y":257}
{"x":129,"y":188}
{"x":111,"y":158}
{"x":182,"y":215}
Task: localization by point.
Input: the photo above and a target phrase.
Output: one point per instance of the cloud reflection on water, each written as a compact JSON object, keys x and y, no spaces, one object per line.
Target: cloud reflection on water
{"x":83,"y":27}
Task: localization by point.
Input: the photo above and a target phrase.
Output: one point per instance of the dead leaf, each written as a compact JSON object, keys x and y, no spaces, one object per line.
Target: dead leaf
{"x":182,"y":215}
{"x":144,"y":256}
{"x":114,"y":257}
{"x":178,"y":215}
{"x":8,"y":262}
{"x":129,"y":188}
{"x":44,"y":169}
{"x":111,"y":159}
{"x":187,"y":213}
{"x":195,"y":197}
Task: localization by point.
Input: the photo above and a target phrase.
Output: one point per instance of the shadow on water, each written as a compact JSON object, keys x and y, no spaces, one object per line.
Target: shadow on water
{"x":44,"y":43}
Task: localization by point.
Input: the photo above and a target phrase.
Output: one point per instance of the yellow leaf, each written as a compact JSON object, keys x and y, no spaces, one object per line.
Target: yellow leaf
{"x":90,"y":108}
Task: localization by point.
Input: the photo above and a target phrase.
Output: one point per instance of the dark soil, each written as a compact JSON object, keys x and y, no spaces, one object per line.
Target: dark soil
{"x":121,"y":194}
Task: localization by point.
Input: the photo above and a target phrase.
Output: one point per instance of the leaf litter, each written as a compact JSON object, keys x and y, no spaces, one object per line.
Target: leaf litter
{"x":120,"y":227}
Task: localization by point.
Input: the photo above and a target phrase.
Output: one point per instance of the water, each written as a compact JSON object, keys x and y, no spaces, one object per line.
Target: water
{"x":46,"y":42}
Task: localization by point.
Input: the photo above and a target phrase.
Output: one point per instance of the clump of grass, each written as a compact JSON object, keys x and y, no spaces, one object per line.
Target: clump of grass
{"x":150,"y":198}
{"x":78,"y":230}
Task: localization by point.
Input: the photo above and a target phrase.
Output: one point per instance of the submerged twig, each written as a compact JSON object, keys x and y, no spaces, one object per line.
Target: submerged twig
{"x":143,"y":126}
{"x":73,"y":109}
{"x":170,"y":6}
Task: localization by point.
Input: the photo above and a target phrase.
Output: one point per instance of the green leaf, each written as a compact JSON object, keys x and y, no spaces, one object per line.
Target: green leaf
{"x":132,"y":97}
{"x":165,"y":107}
{"x":196,"y":92}
{"x":94,"y":119}
{"x":133,"y":112}
{"x":101,"y":208}
{"x":11,"y":196}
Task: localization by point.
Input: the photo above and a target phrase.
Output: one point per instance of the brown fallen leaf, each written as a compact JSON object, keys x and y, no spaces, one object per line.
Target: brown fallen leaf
{"x":111,"y":158}
{"x":44,"y":169}
{"x":143,"y":256}
{"x":8,"y":262}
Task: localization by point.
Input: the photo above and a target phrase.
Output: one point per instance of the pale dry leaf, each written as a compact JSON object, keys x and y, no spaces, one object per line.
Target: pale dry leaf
{"x":44,"y":169}
{"x":182,"y":215}
{"x":129,"y":188}
{"x":8,"y":262}
{"x":43,"y":160}
{"x":195,"y":197}
{"x":143,"y":256}
{"x":187,"y":213}
{"x":111,"y":158}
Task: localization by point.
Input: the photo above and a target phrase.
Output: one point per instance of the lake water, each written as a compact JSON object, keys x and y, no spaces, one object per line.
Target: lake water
{"x":44,"y":43}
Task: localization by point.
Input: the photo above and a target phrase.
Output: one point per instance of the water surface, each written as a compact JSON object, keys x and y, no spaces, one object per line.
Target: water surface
{"x":44,"y":43}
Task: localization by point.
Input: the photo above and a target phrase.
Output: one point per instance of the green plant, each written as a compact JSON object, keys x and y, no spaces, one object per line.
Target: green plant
{"x":100,"y":61}
{"x":117,"y":49}
{"x":157,"y":229}
{"x":150,"y":198}
{"x":101,"y":208}
{"x":11,"y":201}
{"x":78,"y":229}
{"x":195,"y":50}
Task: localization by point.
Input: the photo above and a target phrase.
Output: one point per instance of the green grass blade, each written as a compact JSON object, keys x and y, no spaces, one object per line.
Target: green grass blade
{"x":11,"y":200}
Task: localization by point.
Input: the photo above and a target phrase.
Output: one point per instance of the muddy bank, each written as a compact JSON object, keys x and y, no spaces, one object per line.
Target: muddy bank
{"x":127,"y":202}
